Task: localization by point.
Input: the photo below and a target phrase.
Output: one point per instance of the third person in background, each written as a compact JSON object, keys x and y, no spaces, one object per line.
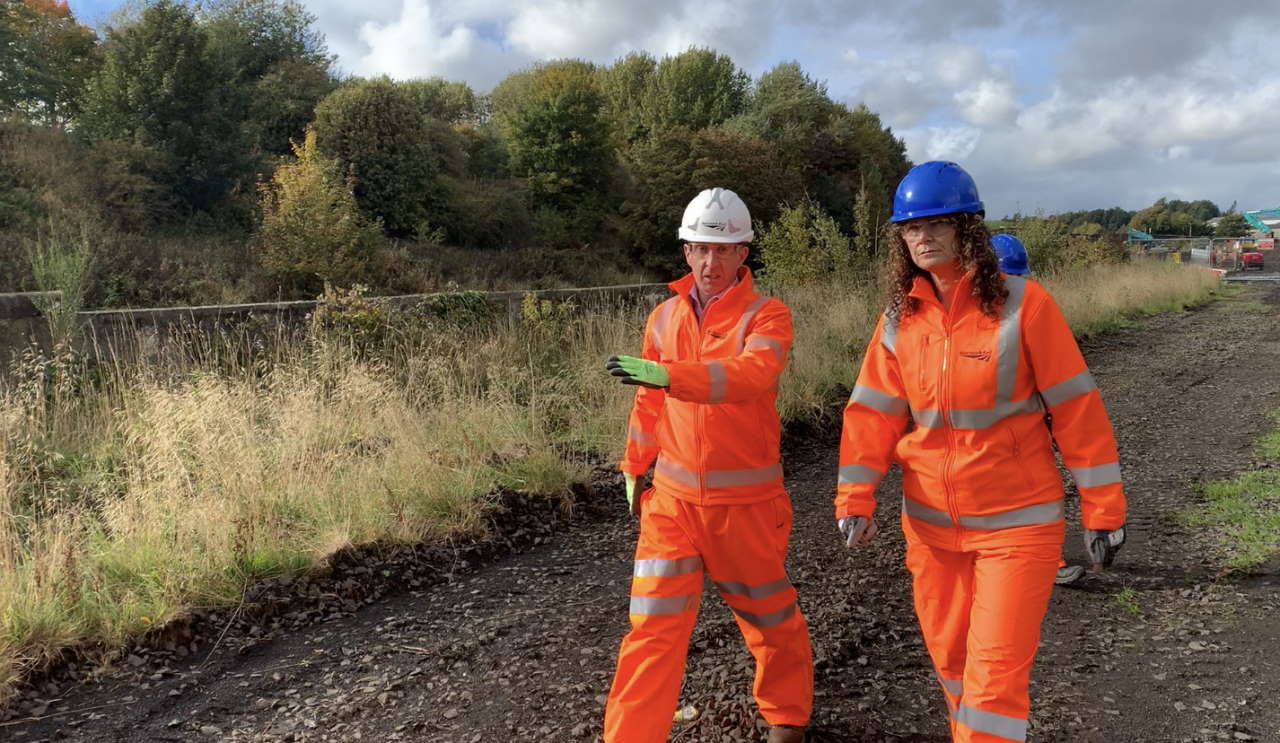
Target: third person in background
{"x":953,"y":387}
{"x":1012,"y":256}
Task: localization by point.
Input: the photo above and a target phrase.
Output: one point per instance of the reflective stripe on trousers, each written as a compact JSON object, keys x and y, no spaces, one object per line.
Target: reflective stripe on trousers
{"x":742,"y":548}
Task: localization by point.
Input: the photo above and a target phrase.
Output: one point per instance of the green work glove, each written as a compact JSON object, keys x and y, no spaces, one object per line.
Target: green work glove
{"x":633,"y":503}
{"x":638,"y":371}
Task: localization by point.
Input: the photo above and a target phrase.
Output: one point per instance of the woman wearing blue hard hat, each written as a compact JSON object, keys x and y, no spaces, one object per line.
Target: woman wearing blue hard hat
{"x":972,"y":356}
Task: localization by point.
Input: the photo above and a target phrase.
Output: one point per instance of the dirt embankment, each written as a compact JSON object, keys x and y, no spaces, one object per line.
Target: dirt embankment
{"x":487,"y":644}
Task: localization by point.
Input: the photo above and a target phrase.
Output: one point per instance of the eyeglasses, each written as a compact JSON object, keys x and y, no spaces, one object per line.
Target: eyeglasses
{"x":932,"y":226}
{"x":719,"y":250}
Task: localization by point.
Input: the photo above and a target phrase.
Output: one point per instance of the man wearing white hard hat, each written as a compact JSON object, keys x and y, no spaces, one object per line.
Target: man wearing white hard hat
{"x":705,"y":419}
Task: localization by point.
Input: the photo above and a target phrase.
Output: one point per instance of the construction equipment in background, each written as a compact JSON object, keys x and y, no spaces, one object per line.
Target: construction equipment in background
{"x":1266,"y":221}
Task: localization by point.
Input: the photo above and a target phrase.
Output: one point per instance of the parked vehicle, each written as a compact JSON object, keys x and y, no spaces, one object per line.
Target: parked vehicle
{"x":1251,"y":260}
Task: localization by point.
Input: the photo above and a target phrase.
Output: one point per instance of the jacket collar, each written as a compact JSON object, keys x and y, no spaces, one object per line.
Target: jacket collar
{"x":922,"y":289}
{"x":734,"y":294}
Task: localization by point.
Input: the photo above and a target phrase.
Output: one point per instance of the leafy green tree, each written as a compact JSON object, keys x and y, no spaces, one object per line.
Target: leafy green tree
{"x":312,"y":232}
{"x":158,"y":88}
{"x":451,"y":102}
{"x":48,"y":57}
{"x":1232,"y":225}
{"x":282,"y":102}
{"x":376,"y":132}
{"x":855,"y":154}
{"x":787,"y":107}
{"x":695,"y":89}
{"x":276,"y":64}
{"x":558,"y":137}
{"x":1162,"y":218}
{"x":623,"y":86}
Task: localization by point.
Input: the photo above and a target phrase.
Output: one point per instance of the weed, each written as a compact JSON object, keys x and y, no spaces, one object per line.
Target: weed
{"x":1127,"y":599}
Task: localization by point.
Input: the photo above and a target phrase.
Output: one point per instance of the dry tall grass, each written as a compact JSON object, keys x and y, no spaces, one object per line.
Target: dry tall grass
{"x":133,"y":492}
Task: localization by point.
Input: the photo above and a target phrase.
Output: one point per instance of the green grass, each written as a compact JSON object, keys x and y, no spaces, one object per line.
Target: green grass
{"x":1245,"y":510}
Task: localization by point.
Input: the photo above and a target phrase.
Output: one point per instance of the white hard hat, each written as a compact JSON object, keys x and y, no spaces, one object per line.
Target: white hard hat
{"x":717,"y":215}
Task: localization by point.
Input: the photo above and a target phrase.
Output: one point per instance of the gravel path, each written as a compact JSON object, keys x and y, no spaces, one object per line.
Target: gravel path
{"x":516,"y":640}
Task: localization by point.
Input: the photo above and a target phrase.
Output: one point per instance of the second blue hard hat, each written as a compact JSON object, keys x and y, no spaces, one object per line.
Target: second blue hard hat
{"x":932,"y":188}
{"x":1012,"y":256}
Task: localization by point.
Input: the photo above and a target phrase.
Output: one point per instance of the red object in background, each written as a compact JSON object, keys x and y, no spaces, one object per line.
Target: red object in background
{"x":1268,"y":243}
{"x":1251,"y":260}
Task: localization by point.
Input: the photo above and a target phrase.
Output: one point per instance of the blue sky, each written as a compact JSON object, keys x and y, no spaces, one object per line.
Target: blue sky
{"x":1051,"y":106}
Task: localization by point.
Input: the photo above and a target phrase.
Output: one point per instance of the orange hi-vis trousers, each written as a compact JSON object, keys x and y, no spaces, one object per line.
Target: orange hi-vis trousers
{"x":980,"y":607}
{"x":742,"y":548}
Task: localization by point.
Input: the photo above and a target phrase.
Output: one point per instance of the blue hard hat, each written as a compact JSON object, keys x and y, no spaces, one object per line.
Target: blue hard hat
{"x":1013,"y":257}
{"x":932,"y":188}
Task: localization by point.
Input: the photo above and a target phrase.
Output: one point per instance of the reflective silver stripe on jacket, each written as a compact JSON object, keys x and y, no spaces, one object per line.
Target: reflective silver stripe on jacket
{"x":859,"y":473}
{"x":1040,"y":513}
{"x":660,"y":322}
{"x":954,"y":687}
{"x":641,"y":437}
{"x":656,"y":568}
{"x":1070,"y":388}
{"x":927,"y":514}
{"x":763,"y":590}
{"x":927,"y":418}
{"x":877,"y":400}
{"x":749,"y":314}
{"x":992,"y":723}
{"x":988,"y":417}
{"x":718,"y":478}
{"x":1009,"y":340}
{"x":764,"y":341}
{"x":653,"y":605}
{"x":1092,"y":477}
{"x":889,"y":335}
{"x":766,"y":620}
{"x":719,"y":382}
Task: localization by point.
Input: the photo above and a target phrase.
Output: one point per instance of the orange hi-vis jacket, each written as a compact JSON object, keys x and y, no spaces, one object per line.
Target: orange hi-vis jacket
{"x":978,"y":456}
{"x":714,"y":431}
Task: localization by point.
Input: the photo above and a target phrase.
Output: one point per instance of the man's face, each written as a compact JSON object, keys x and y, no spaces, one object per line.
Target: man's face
{"x":714,"y":265}
{"x":932,"y":242}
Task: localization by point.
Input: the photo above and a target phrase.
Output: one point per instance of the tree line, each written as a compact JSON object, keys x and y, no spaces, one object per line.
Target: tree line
{"x":229,"y":118}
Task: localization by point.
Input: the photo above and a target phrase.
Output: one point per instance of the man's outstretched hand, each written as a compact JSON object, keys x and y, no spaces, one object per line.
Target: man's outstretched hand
{"x":631,"y":370}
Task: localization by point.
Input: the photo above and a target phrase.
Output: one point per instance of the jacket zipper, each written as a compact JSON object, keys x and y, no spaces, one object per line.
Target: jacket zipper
{"x":702,"y":414}
{"x":943,"y":406}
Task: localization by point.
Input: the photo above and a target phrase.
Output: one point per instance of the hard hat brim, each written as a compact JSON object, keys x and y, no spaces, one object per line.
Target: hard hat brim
{"x":973,"y":207}
{"x":689,"y":236}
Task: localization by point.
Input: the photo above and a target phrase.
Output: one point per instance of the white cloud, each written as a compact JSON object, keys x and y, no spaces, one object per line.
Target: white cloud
{"x":988,"y":102}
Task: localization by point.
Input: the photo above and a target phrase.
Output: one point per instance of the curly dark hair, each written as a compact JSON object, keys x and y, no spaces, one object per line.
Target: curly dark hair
{"x":975,"y":254}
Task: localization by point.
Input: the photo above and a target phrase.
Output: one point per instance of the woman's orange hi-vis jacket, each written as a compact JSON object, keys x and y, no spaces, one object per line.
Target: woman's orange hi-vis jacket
{"x":978,"y":456}
{"x":724,"y":453}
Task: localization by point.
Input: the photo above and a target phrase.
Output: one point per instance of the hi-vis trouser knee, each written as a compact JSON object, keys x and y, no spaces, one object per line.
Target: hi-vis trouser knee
{"x":742,"y":548}
{"x":980,"y":610}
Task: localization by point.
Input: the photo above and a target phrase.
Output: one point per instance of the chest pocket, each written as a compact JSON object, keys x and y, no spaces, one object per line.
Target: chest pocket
{"x":975,"y":365}
{"x":921,"y":367}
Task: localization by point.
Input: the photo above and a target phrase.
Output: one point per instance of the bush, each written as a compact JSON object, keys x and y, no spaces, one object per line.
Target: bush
{"x":312,"y":232}
{"x":805,"y":245}
{"x":376,"y":132}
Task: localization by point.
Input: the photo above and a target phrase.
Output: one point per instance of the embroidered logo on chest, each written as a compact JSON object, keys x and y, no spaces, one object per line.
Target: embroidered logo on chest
{"x":977,"y":355}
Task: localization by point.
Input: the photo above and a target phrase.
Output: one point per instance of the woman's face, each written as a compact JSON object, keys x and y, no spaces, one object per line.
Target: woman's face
{"x":933,"y":242}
